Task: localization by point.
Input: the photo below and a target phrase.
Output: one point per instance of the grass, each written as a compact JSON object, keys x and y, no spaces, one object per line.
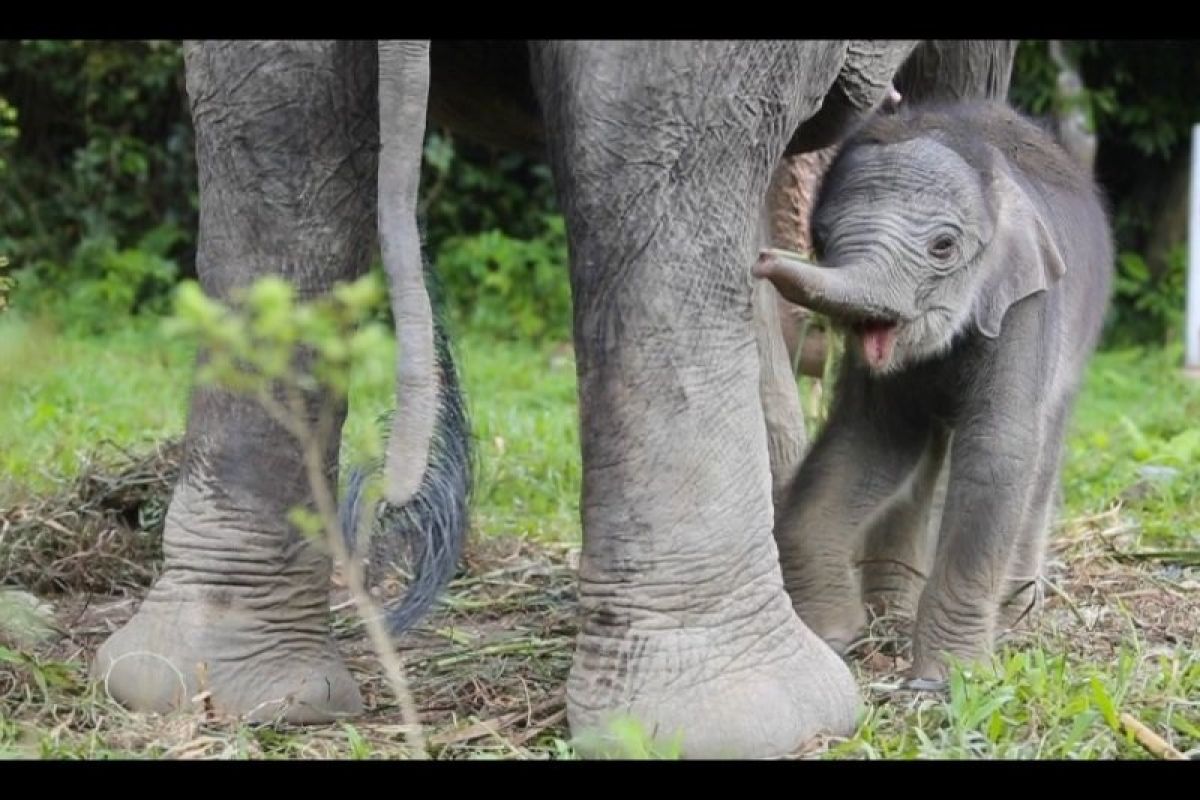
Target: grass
{"x":1119,"y":635}
{"x":61,"y":395}
{"x":1136,"y":438}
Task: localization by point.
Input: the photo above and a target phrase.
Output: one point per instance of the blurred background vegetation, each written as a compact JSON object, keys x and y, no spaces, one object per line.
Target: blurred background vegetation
{"x":98,"y":188}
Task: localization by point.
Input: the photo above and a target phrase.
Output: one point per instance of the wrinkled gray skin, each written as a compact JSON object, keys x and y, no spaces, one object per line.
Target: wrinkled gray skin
{"x":661,"y":153}
{"x":969,"y":258}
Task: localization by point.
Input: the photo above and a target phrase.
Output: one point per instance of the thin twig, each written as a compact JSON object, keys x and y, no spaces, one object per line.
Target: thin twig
{"x":370,"y":613}
{"x":1070,"y":603}
{"x":388,"y":657}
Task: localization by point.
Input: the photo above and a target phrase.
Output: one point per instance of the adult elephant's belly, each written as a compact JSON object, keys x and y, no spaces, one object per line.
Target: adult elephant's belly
{"x":481,"y":90}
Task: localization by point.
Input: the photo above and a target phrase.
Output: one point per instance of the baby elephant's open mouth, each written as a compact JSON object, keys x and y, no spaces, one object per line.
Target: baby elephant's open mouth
{"x":878,"y":338}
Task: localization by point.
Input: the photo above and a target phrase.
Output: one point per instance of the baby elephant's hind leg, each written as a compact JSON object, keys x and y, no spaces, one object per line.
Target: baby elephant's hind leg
{"x":899,"y":544}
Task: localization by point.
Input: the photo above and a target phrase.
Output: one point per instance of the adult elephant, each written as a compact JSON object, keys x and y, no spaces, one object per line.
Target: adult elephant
{"x":661,"y":153}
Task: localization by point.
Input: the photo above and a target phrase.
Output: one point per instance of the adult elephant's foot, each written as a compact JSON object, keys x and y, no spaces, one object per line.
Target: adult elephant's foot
{"x":250,"y":664}
{"x":750,"y":681}
{"x":240,"y":616}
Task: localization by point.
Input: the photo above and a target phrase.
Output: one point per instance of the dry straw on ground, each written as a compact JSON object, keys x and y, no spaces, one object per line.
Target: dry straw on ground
{"x":488,"y":668}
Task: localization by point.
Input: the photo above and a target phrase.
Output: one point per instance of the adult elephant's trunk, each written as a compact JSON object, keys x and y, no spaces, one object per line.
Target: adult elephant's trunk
{"x":427,"y":468}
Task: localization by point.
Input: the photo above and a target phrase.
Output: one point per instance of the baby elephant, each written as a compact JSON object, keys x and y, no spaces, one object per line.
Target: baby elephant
{"x":968,"y":260}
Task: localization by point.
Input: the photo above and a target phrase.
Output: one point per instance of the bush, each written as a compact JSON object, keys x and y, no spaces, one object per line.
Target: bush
{"x":8,"y":129}
{"x":499,"y":246}
{"x":102,"y":285}
{"x":1149,"y":306}
{"x":508,"y":287}
{"x":6,"y":283}
{"x":467,"y":188}
{"x":98,"y":195}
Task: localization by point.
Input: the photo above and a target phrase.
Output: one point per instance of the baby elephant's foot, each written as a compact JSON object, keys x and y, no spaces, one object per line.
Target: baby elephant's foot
{"x":839,"y":626}
{"x":938,"y":643}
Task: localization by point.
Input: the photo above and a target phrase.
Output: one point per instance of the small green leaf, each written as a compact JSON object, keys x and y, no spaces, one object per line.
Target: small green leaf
{"x":359,"y":749}
{"x":1102,"y":701}
{"x":996,"y":726}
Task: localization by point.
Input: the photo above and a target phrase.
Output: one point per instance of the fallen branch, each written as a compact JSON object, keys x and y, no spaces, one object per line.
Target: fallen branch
{"x":1151,"y":740}
{"x":491,"y":727}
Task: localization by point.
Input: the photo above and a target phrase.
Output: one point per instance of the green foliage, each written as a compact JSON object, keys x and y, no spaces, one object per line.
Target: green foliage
{"x":499,"y":246}
{"x":96,"y":152}
{"x":627,"y":738}
{"x":359,"y":749}
{"x":1035,"y":703}
{"x":102,"y":157}
{"x":1035,"y":79}
{"x":8,"y":130}
{"x":468,"y":188}
{"x":1148,"y":306}
{"x":102,"y":164}
{"x":101,"y":285}
{"x":508,"y":287}
{"x":6,"y":283}
{"x":45,"y":674}
{"x":254,"y":344}
{"x":1139,"y":96}
{"x":1150,"y":93}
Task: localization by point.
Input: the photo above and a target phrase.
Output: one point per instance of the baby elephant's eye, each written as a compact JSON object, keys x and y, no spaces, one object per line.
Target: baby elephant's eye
{"x":943,"y":247}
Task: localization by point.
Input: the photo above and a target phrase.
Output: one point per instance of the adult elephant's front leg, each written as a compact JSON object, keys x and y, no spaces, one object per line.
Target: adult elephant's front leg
{"x":685,"y":625}
{"x":285,"y":137}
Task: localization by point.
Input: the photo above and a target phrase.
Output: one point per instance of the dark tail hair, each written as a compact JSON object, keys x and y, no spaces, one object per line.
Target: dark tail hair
{"x":428,"y":533}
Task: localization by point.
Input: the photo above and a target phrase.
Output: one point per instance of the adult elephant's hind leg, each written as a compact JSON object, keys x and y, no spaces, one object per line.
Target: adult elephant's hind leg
{"x":285,"y":137}
{"x":685,"y":623}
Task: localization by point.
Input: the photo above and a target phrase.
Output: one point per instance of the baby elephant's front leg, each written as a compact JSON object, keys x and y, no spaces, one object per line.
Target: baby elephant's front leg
{"x":991,"y":480}
{"x":860,"y":460}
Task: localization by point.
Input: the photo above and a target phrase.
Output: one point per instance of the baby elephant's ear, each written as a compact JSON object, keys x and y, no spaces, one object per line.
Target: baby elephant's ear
{"x":1021,"y":259}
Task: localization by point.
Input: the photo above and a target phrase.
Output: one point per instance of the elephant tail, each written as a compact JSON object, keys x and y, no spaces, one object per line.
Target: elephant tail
{"x":422,"y":518}
{"x":425,"y":535}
